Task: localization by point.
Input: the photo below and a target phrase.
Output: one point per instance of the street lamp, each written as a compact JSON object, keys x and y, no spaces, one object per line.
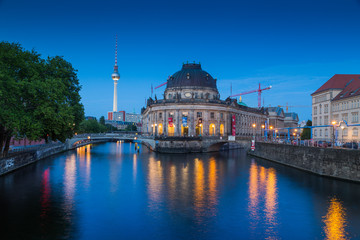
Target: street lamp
{"x":263,"y":129}
{"x":342,"y":133}
{"x":254,"y":126}
{"x":271,"y":128}
{"x":333,"y":123}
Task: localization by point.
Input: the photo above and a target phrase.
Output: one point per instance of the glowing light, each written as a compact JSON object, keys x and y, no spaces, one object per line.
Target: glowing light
{"x":263,"y":126}
{"x":335,"y":221}
{"x":333,"y":122}
{"x":254,"y":125}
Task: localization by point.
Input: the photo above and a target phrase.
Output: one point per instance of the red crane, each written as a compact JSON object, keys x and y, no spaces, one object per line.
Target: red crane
{"x":252,"y":91}
{"x":162,"y":83}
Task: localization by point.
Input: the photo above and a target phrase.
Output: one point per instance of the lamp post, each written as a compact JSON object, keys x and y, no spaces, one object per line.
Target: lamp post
{"x":155,"y":129}
{"x":342,"y":133}
{"x":271,"y":128}
{"x":262,"y":127}
{"x":254,"y":126}
{"x":333,"y":123}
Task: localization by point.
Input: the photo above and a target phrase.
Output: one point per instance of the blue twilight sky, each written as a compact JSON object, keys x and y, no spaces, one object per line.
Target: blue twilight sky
{"x":295,"y":46}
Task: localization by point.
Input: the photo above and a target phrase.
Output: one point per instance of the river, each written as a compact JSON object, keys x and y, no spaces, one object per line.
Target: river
{"x":109,"y":191}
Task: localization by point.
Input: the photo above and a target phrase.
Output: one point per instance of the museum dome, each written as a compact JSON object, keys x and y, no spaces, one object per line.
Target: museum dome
{"x":191,"y":75}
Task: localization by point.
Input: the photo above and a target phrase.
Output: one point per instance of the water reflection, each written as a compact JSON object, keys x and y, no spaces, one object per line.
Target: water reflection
{"x":69,"y":185}
{"x":263,"y":199}
{"x":108,"y":192}
{"x":183,"y":182}
{"x":335,"y":221}
{"x":45,"y":197}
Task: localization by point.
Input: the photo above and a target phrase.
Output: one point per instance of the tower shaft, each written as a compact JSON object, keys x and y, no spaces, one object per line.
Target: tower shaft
{"x":115,"y":97}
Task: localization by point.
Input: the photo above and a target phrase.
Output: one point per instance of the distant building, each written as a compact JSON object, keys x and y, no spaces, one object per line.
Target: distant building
{"x":336,"y":100}
{"x":90,"y":118}
{"x":121,"y":125}
{"x":279,"y":119}
{"x":133,"y":117}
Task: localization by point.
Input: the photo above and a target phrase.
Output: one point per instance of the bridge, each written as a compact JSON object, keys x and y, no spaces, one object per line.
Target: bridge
{"x":163,"y":144}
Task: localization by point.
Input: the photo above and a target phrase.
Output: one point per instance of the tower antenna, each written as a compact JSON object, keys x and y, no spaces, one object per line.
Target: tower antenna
{"x":115,"y":76}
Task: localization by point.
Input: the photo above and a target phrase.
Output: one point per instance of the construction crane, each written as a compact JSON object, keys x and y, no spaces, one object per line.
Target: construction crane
{"x":252,"y":91}
{"x":163,"y":83}
{"x":295,"y":106}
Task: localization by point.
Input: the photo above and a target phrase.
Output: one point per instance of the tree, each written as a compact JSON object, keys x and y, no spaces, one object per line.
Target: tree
{"x":91,"y":126}
{"x":131,"y":127}
{"x":38,"y":98}
{"x":306,"y":133}
{"x":102,"y":120}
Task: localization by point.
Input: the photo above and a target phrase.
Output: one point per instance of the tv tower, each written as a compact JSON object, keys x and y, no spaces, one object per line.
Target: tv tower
{"x":115,"y":76}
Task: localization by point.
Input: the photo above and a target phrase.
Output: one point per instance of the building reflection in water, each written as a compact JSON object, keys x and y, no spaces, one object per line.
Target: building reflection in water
{"x":170,"y":180}
{"x":45,"y":198}
{"x":155,"y":183}
{"x":335,"y":221}
{"x":69,"y":185}
{"x":84,"y":157}
{"x":263,"y":200}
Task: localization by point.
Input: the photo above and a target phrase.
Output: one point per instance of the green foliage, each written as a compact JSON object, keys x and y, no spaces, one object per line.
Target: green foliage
{"x":102,"y":120}
{"x":131,"y":128}
{"x":39,"y":98}
{"x":91,"y":126}
{"x":306,"y":133}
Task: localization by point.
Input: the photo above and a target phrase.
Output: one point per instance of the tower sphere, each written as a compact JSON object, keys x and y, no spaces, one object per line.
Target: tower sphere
{"x":115,"y":76}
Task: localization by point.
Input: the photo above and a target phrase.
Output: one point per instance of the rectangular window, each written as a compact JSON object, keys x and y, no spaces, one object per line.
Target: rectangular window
{"x":315,"y":110}
{"x":326,"y":120}
{"x":171,"y":114}
{"x":320,"y":121}
{"x":160,"y":115}
{"x":199,"y":114}
{"x":354,"y":117}
{"x":355,"y":132}
{"x":212,"y":115}
{"x":221,"y":116}
{"x":326,"y":108}
{"x":345,"y":132}
{"x":315,"y":121}
{"x":345,"y":117}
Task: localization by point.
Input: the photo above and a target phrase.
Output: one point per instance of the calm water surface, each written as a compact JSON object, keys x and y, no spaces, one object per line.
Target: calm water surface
{"x":108,"y":191}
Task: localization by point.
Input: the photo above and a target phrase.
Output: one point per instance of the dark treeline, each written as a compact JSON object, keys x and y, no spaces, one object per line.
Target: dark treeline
{"x":39,"y":98}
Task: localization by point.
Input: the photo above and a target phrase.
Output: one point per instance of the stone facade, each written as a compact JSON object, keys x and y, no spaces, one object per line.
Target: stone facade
{"x":192,"y":107}
{"x":335,"y":101}
{"x":338,"y":163}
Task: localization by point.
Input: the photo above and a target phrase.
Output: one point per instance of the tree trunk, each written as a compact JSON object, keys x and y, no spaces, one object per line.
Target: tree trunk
{"x":7,"y":143}
{"x":2,"y":139}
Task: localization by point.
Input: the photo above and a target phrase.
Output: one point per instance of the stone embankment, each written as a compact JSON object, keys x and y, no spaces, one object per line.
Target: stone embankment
{"x":21,"y":159}
{"x":337,"y":163}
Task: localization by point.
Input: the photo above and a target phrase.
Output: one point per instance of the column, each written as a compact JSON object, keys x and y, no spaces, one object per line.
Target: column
{"x":192,"y":123}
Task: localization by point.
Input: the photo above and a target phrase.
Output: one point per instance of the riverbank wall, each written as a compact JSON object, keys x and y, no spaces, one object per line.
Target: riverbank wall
{"x":338,"y":163}
{"x":21,"y":159}
{"x":18,"y":160}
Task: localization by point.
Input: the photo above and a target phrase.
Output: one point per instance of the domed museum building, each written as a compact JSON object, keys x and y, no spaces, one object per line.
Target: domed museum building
{"x":192,"y":107}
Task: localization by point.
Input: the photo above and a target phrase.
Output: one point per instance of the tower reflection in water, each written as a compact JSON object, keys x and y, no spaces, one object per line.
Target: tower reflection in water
{"x":180,"y":184}
{"x":263,"y":201}
{"x":335,"y":221}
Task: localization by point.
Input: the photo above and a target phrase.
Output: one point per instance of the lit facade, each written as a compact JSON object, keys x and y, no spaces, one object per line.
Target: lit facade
{"x":192,"y":107}
{"x":335,"y":101}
